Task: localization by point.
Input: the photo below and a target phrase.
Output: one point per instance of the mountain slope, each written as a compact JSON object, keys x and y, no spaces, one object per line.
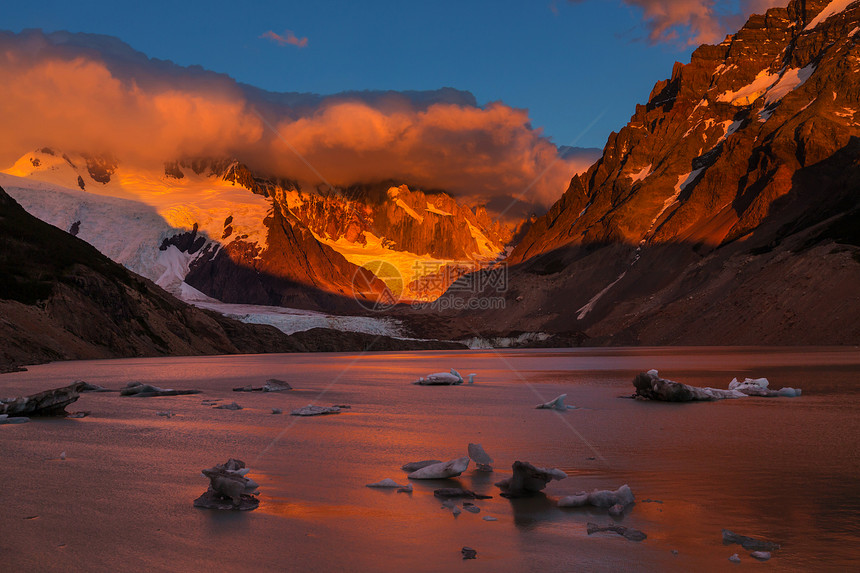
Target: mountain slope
{"x":62,"y":299}
{"x":726,"y":211}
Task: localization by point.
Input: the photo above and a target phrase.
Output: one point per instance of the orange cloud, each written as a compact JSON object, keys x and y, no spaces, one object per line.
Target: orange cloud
{"x":696,"y":21}
{"x":287,"y":38}
{"x":69,"y":92}
{"x":476,"y":151}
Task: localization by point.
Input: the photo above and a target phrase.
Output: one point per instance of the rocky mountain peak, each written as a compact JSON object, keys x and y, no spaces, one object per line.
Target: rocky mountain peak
{"x":722,"y":139}
{"x":725,"y":212}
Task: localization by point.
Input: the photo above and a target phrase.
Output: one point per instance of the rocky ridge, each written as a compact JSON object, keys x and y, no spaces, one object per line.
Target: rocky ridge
{"x":725,"y":212}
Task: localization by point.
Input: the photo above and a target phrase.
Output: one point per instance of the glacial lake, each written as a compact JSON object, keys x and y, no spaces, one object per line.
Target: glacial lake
{"x":783,"y":469}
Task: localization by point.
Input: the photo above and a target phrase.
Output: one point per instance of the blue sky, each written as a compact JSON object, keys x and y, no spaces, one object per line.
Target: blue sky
{"x":566,"y":62}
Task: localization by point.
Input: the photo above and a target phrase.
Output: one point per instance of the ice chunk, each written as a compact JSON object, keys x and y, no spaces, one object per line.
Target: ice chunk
{"x":577,"y":500}
{"x":229,"y":488}
{"x":444,"y":470}
{"x":387,"y":483}
{"x":748,"y":543}
{"x":451,"y":378}
{"x":311,"y":410}
{"x":555,"y":404}
{"x":622,"y":497}
{"x":415,"y":466}
{"x":528,"y":479}
{"x":480,"y":457}
{"x":627,"y":532}
{"x":271,"y":385}
{"x":649,"y":386}
{"x":140,"y":390}
{"x":608,"y":498}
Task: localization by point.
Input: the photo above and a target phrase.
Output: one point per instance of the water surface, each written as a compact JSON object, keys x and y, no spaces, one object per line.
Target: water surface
{"x":783,"y":469}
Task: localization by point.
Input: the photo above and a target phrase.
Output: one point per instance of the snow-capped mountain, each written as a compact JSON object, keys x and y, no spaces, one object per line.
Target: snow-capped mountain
{"x":213,"y":228}
{"x":726,"y":211}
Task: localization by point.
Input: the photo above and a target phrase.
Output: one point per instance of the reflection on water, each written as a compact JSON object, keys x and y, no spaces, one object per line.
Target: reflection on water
{"x":781,"y":469}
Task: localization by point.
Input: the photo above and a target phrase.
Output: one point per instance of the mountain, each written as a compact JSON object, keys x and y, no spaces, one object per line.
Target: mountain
{"x":727,"y":211}
{"x":214,"y":226}
{"x":62,"y":299}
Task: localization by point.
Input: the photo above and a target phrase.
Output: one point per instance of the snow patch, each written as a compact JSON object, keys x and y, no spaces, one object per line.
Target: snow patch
{"x":764,"y":114}
{"x":835,"y":7}
{"x":125,"y":231}
{"x":683,"y":181}
{"x":589,"y":306}
{"x":642,"y":174}
{"x":791,"y":79}
{"x":432,"y":209}
{"x":409,"y":210}
{"x":394,"y":193}
{"x":175,"y":264}
{"x":750,"y":92}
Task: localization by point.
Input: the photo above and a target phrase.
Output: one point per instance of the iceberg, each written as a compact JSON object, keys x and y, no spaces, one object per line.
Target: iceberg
{"x":452,"y":378}
{"x":481,"y":458}
{"x":414,"y":466}
{"x":748,"y":543}
{"x":528,"y":479}
{"x":271,"y":385}
{"x":389,"y":483}
{"x":442,"y":470}
{"x":626,"y":532}
{"x":605,"y":498}
{"x":556,"y":403}
{"x":140,"y":390}
{"x":311,"y":410}
{"x":649,"y":386}
{"x":229,"y":488}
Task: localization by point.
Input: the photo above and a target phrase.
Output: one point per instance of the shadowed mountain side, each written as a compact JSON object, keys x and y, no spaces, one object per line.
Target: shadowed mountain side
{"x":727,"y":211}
{"x":793,"y":280}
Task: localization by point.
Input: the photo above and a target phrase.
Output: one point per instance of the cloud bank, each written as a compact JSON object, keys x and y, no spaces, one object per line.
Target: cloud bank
{"x":695,"y":22}
{"x":89,"y":93}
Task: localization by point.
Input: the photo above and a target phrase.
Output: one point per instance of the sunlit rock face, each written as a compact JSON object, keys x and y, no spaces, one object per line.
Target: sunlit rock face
{"x":724,"y":212}
{"x":718,"y":143}
{"x":242,"y":237}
